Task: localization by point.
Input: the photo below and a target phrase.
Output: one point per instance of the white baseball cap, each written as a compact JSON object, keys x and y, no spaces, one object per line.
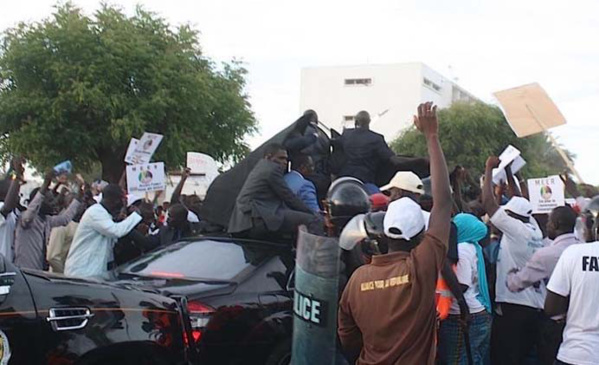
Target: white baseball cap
{"x":405,"y":180}
{"x":520,"y":206}
{"x":404,"y":219}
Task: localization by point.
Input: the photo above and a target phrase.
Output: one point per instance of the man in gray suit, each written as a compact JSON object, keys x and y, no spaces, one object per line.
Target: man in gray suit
{"x":265,"y":203}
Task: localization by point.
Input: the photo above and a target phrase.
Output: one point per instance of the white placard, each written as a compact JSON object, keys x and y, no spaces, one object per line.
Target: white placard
{"x":510,"y":155}
{"x":546,"y":194}
{"x":145,"y":177}
{"x":131,"y":150}
{"x":200,"y":163}
{"x":147,"y":145}
{"x":500,"y":176}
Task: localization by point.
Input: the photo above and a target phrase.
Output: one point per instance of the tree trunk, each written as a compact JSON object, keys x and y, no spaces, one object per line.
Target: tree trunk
{"x":113,"y":167}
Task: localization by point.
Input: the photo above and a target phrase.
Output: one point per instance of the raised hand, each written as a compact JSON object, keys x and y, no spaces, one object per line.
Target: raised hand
{"x":492,"y":162}
{"x":17,"y":165}
{"x":426,"y":120}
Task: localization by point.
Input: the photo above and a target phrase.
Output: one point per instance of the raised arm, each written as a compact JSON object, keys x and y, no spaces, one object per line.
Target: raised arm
{"x":12,"y":197}
{"x":523,"y":185}
{"x":440,"y":219}
{"x":489,"y":203}
{"x":177,"y":192}
{"x":34,"y":206}
{"x":513,"y":188}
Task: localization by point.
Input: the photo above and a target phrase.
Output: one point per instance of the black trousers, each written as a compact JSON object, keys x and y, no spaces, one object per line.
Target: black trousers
{"x":550,"y":339}
{"x":514,"y":334}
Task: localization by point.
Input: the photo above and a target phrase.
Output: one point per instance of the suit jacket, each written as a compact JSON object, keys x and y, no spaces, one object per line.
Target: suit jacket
{"x":303,"y":189}
{"x":264,"y":195}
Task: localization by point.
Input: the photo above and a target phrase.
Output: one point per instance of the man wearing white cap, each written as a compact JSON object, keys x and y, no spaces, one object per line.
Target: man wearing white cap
{"x":406,"y":184}
{"x":387,"y":311}
{"x":518,"y":315}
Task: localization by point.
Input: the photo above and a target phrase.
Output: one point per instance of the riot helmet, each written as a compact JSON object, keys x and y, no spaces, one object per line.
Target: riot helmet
{"x":591,"y":219}
{"x":345,"y":199}
{"x":366,"y":230}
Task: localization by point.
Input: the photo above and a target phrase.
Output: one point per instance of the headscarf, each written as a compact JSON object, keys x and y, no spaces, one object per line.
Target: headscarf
{"x":471,"y":231}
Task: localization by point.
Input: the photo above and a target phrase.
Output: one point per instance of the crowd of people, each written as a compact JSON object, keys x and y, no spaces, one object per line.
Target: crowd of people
{"x":462,"y":272}
{"x":78,"y":229}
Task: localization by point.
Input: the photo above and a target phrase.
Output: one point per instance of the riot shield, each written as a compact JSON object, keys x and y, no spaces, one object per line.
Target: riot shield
{"x":315,"y":300}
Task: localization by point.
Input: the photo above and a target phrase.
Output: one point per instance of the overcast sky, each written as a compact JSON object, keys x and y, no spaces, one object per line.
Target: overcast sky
{"x":487,"y":45}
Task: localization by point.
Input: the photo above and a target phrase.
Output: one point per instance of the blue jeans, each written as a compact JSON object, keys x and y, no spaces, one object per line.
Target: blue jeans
{"x":452,"y":349}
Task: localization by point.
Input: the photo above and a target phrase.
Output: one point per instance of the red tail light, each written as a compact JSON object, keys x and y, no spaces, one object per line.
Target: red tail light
{"x":199,"y":316}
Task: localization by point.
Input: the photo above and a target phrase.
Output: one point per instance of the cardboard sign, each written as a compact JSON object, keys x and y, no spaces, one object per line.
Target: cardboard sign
{"x":145,"y":148}
{"x":529,"y":110}
{"x":200,"y":163}
{"x":131,"y":150}
{"x":510,"y":155}
{"x":546,"y":194}
{"x":145,"y":177}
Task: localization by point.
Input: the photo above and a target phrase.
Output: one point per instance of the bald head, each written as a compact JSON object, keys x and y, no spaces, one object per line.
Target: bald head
{"x":362,"y":119}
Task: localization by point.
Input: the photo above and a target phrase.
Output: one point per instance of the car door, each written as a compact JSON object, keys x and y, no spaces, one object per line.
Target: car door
{"x":19,"y":323}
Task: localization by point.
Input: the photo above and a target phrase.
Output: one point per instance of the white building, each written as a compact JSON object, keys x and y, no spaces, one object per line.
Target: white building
{"x":390,"y":93}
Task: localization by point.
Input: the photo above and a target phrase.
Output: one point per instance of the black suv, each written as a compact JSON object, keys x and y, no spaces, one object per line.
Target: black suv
{"x":239,"y":295}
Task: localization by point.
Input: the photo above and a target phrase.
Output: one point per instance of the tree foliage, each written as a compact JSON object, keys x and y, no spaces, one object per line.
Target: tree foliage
{"x":469,"y":133}
{"x":78,"y":87}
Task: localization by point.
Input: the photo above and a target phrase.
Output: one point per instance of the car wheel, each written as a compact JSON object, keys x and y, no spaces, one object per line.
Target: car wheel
{"x":281,"y":354}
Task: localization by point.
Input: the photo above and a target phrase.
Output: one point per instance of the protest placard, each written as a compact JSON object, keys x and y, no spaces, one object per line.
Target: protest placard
{"x":131,"y":150}
{"x":546,"y":194}
{"x":200,"y":163}
{"x":529,"y":110}
{"x":145,"y":148}
{"x":142,"y":178}
{"x":510,"y":155}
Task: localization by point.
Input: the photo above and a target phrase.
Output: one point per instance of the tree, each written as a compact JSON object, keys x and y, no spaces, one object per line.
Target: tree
{"x":78,"y":87}
{"x":470,"y":133}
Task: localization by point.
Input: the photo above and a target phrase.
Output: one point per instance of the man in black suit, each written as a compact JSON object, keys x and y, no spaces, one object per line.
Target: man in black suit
{"x":265,"y":203}
{"x":366,"y":152}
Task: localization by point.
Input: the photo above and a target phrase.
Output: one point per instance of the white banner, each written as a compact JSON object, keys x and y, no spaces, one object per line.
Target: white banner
{"x":546,"y":194}
{"x":145,"y":177}
{"x":145,"y":148}
{"x":200,"y":163}
{"x":131,"y":150}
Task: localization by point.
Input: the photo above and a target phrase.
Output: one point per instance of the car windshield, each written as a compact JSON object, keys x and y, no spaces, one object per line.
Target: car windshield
{"x":202,"y":259}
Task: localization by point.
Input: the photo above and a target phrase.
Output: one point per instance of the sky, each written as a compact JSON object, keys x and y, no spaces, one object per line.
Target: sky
{"x":486,"y":45}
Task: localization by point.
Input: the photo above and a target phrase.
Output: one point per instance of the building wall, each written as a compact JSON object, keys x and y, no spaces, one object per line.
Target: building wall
{"x":395,"y":90}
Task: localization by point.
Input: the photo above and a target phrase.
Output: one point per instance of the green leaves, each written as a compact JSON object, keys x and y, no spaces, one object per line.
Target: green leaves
{"x":77,"y":87}
{"x":469,"y":133}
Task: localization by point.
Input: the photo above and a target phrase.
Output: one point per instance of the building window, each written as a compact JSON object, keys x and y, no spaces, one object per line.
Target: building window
{"x":359,"y":82}
{"x":348,"y":118}
{"x":432,"y":85}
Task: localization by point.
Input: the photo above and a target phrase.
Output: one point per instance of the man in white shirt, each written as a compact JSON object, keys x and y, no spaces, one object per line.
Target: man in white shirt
{"x":91,"y":251}
{"x":572,"y":289}
{"x":519,"y":314}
